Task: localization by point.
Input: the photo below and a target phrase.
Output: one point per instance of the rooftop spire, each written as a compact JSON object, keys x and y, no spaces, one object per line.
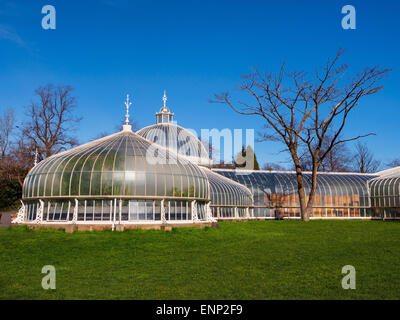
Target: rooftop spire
{"x":127,"y":126}
{"x":165,"y":99}
{"x":127,"y":104}
{"x":164,"y":115}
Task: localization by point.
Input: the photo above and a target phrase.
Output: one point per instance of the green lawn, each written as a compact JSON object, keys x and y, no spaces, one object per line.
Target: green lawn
{"x":241,"y":260}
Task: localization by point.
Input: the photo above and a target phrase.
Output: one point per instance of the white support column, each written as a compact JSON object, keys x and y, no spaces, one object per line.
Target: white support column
{"x":209,"y":215}
{"x":39,"y":213}
{"x":195,"y":218}
{"x":75,"y":214}
{"x":162,"y":212}
{"x":114,"y":216}
{"x":120,"y":208}
{"x":236,"y":213}
{"x":115,"y":211}
{"x":247,"y":212}
{"x":20,"y":215}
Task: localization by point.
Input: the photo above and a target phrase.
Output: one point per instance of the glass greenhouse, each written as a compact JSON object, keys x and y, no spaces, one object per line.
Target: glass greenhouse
{"x":161,"y":175}
{"x":275,"y":193}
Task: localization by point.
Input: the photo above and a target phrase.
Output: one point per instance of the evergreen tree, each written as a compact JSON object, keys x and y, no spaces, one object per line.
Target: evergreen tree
{"x":243,"y":153}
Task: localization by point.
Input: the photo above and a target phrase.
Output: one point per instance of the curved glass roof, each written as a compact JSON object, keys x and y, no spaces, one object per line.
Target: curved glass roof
{"x":280,"y":188}
{"x":226,"y":192}
{"x":123,"y":165}
{"x":178,"y":139}
{"x":385,"y":189}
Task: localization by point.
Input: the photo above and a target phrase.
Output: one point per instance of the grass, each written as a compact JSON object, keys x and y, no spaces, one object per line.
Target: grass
{"x":241,"y":260}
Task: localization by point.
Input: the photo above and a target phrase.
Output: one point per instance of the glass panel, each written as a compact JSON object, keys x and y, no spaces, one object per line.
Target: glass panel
{"x":107,"y":207}
{"x":97,"y":210}
{"x":89,"y":210}
{"x":157,"y":211}
{"x":149,"y":210}
{"x":124,"y":210}
{"x":64,"y":211}
{"x":178,"y":210}
{"x":133,"y":210}
{"x":142,"y":209}
{"x":172,"y":205}
{"x":81,"y":210}
{"x":57,"y":210}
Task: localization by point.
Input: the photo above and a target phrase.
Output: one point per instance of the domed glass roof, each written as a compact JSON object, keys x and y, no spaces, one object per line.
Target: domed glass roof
{"x":169,"y":135}
{"x":120,"y":165}
{"x":177,"y":139}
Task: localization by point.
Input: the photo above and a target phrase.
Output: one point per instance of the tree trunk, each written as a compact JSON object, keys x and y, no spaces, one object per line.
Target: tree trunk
{"x":305,"y":215}
{"x":312,"y":192}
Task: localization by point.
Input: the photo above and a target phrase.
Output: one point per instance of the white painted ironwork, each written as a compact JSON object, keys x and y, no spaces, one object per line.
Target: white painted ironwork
{"x":209,"y":215}
{"x":162,"y":212}
{"x":75,"y":214}
{"x":195,"y":217}
{"x":39,"y":212}
{"x":20,"y":215}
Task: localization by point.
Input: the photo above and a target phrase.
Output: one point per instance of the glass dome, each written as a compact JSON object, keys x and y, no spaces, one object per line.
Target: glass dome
{"x":122,"y":176}
{"x":118,"y":165}
{"x":177,"y":139}
{"x":169,"y":135}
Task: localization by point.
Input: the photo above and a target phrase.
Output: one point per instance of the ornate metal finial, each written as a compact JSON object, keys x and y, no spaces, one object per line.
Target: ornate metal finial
{"x":36,"y":157}
{"x":165,"y":99}
{"x":127,"y":104}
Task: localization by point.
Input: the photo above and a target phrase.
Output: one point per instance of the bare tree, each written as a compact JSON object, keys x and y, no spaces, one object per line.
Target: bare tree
{"x":393,"y":163}
{"x":300,"y":111}
{"x":271,"y":166}
{"x":364,"y":160}
{"x":7,"y":126}
{"x":51,"y":120}
{"x":338,"y":159}
{"x":11,"y":173}
{"x":19,"y":160}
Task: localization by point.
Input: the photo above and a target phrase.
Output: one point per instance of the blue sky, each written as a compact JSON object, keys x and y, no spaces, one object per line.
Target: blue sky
{"x":193,"y":49}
